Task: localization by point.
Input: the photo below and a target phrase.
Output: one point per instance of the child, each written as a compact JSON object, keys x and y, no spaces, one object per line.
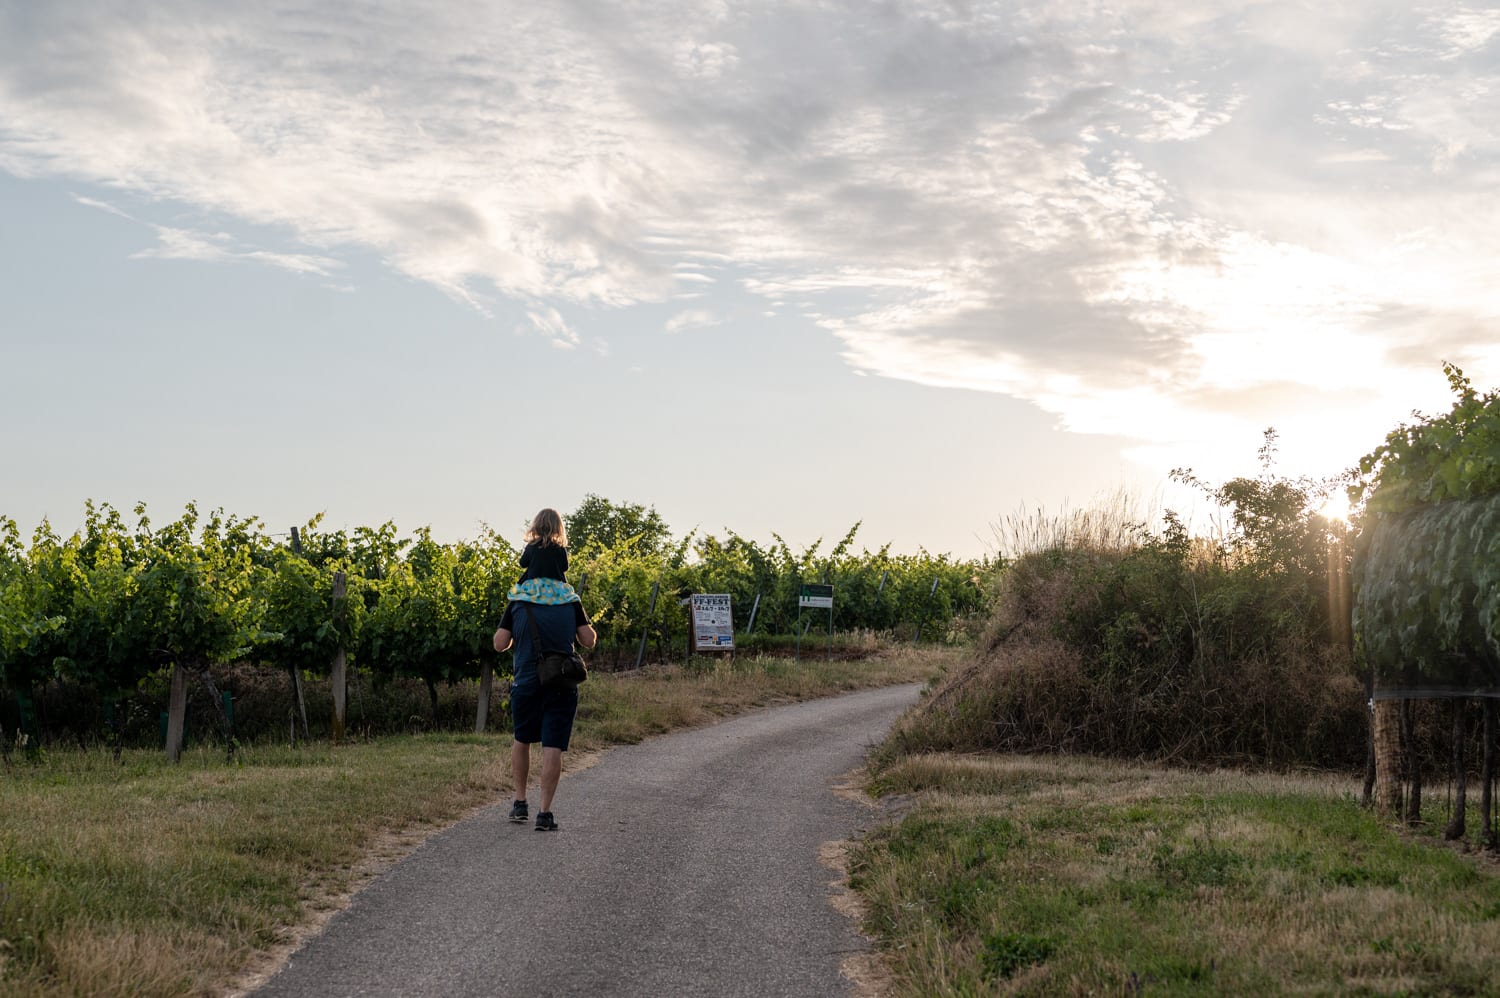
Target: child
{"x":545,"y":560}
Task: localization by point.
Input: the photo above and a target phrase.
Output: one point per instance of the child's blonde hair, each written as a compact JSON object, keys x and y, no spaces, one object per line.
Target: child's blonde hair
{"x":547,"y":528}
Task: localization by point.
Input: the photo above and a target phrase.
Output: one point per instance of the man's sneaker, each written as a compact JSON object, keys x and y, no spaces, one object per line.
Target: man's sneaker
{"x":518,"y":812}
{"x":544,"y":822}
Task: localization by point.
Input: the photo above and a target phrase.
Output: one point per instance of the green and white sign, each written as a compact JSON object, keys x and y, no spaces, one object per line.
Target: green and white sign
{"x":816,"y":596}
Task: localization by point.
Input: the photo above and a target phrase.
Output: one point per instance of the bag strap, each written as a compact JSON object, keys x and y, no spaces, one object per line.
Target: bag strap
{"x":536,"y":632}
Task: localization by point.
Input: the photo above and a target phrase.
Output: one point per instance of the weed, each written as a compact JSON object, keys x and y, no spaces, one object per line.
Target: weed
{"x":1004,"y":953}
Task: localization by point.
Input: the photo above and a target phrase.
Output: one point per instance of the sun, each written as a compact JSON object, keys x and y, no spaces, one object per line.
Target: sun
{"x":1335,"y":507}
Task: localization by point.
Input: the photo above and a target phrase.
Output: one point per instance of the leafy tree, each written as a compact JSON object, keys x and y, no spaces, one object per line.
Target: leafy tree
{"x":600,"y":523}
{"x":1276,"y":528}
{"x":1453,"y":455}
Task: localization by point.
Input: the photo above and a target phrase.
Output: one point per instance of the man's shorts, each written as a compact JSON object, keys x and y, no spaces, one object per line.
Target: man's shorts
{"x":544,"y":716}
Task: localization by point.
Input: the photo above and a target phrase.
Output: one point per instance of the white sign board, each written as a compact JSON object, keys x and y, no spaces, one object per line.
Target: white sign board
{"x":713,"y":622}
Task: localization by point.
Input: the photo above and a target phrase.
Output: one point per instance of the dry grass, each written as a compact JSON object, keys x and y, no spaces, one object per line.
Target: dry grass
{"x":150,"y":879}
{"x":1068,"y":875}
{"x":626,"y":707}
{"x":1114,"y":522}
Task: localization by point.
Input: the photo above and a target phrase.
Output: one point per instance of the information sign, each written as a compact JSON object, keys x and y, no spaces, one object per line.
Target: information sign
{"x":816,"y":596}
{"x":713,"y":622}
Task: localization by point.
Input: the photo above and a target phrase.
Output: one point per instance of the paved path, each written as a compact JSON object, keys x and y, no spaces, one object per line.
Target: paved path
{"x":686,"y":865}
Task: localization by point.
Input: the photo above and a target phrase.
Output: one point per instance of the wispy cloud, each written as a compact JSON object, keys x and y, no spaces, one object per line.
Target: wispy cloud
{"x":550,"y":323}
{"x":102,"y":206}
{"x":1150,"y":219}
{"x":696,"y":318}
{"x":214,"y":247}
{"x":175,"y":243}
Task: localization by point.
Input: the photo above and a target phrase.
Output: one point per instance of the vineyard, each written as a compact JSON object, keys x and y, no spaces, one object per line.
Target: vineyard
{"x":1426,"y":607}
{"x":93,"y":626}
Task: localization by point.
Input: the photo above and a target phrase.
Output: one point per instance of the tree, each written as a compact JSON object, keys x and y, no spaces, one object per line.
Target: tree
{"x":599,"y":523}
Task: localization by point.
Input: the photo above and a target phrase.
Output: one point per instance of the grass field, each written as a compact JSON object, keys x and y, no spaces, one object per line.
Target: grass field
{"x":152,"y":879}
{"x":1071,"y":876}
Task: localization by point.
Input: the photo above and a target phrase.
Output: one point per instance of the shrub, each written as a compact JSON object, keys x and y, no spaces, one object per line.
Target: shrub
{"x":1162,"y":646}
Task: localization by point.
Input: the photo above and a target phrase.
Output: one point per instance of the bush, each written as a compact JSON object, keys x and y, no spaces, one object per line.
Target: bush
{"x":1162,"y":646}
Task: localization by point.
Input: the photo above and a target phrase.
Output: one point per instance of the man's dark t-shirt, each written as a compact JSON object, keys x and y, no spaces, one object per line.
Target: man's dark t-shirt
{"x":544,"y":561}
{"x":558,"y":625}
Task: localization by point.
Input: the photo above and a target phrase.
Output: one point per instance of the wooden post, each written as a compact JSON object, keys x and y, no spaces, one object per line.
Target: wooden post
{"x":1413,"y":759}
{"x":926,"y":609}
{"x":1387,"y":728}
{"x":176,"y":712}
{"x":640,"y":653}
{"x":1455,"y":829}
{"x":486,"y":684}
{"x":337,"y":673}
{"x":1486,"y":795}
{"x":300,"y":708}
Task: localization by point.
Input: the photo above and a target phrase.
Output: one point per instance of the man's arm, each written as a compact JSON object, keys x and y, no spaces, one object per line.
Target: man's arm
{"x":502,"y":639}
{"x":585,"y":636}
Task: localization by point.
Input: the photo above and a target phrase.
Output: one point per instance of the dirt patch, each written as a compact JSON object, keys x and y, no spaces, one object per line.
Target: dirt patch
{"x":867,"y":971}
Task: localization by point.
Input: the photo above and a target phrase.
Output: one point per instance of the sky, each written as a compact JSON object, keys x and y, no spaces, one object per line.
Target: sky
{"x":770,"y":267}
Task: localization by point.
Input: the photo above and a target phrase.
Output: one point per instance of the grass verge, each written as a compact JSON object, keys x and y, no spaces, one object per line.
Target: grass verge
{"x":1065,"y":876}
{"x":152,"y":879}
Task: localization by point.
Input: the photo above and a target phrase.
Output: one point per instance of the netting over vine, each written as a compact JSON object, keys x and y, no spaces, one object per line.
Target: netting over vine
{"x":1427,"y":599}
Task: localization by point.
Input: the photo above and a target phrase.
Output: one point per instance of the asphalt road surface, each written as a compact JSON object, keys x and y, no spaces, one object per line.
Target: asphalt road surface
{"x":686,"y":865}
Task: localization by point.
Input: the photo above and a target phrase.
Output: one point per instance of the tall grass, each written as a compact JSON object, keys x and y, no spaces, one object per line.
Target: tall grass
{"x":1110,"y":638}
{"x":1117,"y":521}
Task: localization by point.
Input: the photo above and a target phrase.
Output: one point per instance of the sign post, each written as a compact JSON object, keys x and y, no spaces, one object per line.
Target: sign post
{"x":815,"y":596}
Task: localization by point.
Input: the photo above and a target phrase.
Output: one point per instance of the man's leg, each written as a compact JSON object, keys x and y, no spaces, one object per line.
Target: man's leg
{"x":520,"y":769}
{"x":551,"y":773}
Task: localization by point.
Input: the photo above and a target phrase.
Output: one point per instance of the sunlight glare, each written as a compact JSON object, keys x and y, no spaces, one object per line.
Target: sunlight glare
{"x":1336,"y":507}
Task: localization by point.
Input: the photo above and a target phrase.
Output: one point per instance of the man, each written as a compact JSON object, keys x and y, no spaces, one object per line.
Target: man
{"x":540,"y":715}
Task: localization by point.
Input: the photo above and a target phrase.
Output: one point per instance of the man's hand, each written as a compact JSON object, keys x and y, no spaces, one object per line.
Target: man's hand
{"x":586,"y":636}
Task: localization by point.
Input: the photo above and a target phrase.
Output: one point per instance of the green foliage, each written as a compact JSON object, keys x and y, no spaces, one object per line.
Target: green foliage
{"x":297,"y":598}
{"x":1427,"y":596}
{"x":194,"y":595}
{"x":1455,"y":455}
{"x":38,"y":587}
{"x":1426,"y":575}
{"x":111,"y":605}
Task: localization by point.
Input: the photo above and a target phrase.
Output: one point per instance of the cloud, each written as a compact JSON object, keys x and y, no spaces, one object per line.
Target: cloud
{"x":1143,"y":217}
{"x":692,"y":319}
{"x":175,"y":243}
{"x":102,"y":206}
{"x":550,"y":323}
{"x":186,"y":244}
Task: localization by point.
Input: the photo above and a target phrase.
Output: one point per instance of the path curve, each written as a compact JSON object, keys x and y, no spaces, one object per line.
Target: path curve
{"x":686,"y":865}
